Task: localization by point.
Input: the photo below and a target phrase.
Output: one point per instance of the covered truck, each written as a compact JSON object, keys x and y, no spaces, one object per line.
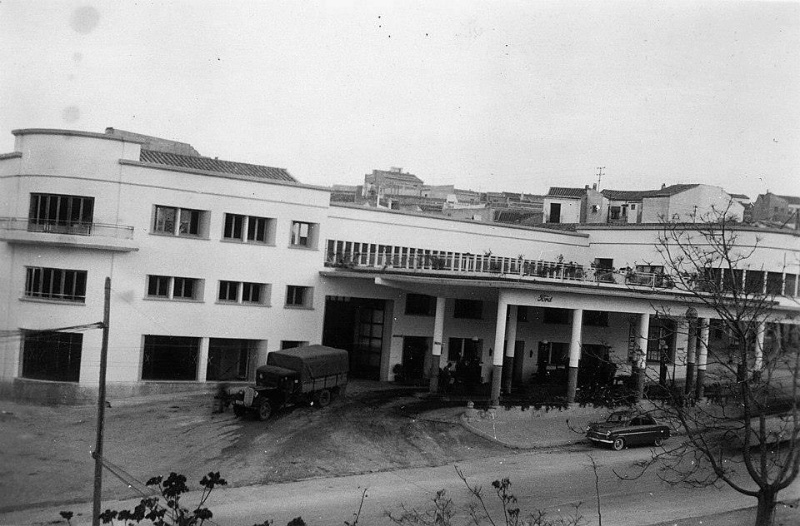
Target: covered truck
{"x":312,"y":374}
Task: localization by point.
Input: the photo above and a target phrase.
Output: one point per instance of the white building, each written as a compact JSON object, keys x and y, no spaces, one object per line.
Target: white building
{"x":213,"y":264}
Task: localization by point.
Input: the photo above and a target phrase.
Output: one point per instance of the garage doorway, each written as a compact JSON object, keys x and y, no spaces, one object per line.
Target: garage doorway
{"x":357,"y":325}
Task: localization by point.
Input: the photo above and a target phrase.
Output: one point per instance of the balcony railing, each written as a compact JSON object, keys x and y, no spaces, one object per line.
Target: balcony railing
{"x":405,"y":259}
{"x":74,"y":228}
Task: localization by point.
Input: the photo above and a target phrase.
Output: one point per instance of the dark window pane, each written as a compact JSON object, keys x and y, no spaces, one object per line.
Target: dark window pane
{"x":170,"y":358}
{"x":54,"y":356}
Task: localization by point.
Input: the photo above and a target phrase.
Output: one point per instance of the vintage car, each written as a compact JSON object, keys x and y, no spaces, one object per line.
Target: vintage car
{"x":627,"y":428}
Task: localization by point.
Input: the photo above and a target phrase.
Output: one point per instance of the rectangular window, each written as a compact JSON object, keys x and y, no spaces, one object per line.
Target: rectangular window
{"x":54,"y":356}
{"x":231,"y":359}
{"x":234,"y":225}
{"x":55,"y":284}
{"x":253,"y":293}
{"x":468,"y":309}
{"x":169,"y":287}
{"x":170,"y":358}
{"x":63,"y":214}
{"x":158,"y":286}
{"x":184,"y":288}
{"x":257,"y":229}
{"x":754,"y":282}
{"x":420,"y":305}
{"x":556,"y":316}
{"x":297,"y":296}
{"x":594,"y":318}
{"x":789,"y":285}
{"x":304,"y":234}
{"x":774,"y":283}
{"x":175,"y":221}
{"x":291,"y":344}
{"x":228,"y":291}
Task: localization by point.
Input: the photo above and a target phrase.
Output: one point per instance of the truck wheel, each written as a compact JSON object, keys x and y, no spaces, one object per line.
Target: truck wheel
{"x":264,"y":410}
{"x":239,"y":411}
{"x":324,"y":398}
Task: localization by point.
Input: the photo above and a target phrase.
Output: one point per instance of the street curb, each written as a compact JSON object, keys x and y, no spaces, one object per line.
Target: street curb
{"x":465,"y":423}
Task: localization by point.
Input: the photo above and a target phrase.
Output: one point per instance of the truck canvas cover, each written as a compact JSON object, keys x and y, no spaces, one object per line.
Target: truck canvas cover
{"x":312,"y":361}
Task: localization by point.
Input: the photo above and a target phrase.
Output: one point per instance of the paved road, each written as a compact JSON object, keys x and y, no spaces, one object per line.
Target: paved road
{"x":540,"y":480}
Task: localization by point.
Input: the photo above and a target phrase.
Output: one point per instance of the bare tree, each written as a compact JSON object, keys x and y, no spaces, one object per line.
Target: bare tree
{"x":741,"y":420}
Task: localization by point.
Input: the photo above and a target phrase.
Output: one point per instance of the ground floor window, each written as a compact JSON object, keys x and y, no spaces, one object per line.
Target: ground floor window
{"x":52,"y":356}
{"x":230,"y":359}
{"x":170,"y":358}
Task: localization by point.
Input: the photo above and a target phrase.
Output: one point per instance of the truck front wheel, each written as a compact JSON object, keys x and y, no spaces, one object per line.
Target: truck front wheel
{"x":324,"y":398}
{"x":264,"y":410}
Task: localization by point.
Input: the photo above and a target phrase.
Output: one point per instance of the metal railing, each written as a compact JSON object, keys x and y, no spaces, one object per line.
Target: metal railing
{"x":399,"y":259}
{"x":75,"y":228}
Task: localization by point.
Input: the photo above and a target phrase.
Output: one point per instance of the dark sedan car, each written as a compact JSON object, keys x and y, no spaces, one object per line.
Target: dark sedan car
{"x":627,"y":428}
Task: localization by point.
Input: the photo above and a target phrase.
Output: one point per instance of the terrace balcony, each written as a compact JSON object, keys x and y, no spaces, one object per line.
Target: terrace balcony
{"x":75,"y":234}
{"x":367,"y":257}
{"x":404,"y":260}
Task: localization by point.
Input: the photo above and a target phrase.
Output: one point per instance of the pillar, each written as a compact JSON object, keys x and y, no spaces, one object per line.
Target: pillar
{"x":574,"y":354}
{"x":511,"y":338}
{"x":758,"y":363}
{"x":202,"y":360}
{"x":691,"y":350}
{"x":641,"y":354}
{"x":497,"y":357}
{"x":702,"y":358}
{"x":438,"y":336}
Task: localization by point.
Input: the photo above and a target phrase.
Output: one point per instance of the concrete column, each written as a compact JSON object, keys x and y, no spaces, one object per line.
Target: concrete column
{"x":511,"y":338}
{"x":202,"y":360}
{"x":438,"y":336}
{"x":758,"y":363}
{"x":574,"y":354}
{"x":497,"y":357}
{"x":702,"y":358}
{"x":641,"y":354}
{"x":691,"y":351}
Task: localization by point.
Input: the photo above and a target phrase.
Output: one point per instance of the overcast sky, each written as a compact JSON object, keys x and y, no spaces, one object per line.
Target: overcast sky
{"x":514,"y":96}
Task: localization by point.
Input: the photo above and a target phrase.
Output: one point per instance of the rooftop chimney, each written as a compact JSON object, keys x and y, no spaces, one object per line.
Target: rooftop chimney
{"x":594,"y":186}
{"x":663,"y":185}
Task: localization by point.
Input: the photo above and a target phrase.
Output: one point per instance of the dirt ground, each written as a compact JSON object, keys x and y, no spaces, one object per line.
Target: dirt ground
{"x":45,"y":452}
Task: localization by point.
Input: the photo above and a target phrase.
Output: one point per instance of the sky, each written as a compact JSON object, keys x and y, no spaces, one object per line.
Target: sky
{"x":489,"y":96}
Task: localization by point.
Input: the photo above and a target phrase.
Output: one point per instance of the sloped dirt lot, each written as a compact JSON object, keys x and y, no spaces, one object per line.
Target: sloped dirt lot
{"x":45,"y":455}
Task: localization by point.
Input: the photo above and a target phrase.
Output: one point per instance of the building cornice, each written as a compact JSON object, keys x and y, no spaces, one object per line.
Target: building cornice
{"x":73,"y":133}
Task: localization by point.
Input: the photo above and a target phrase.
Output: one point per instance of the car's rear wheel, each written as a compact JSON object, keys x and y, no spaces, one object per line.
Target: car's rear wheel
{"x":658,"y":442}
{"x":264,"y":410}
{"x":324,"y":398}
{"x":618,"y":444}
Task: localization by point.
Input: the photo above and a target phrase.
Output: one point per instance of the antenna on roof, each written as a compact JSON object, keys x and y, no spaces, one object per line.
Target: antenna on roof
{"x":599,"y":175}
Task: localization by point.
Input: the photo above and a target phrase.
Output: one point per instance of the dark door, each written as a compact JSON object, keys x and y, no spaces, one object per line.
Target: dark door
{"x":555,"y":212}
{"x":415,"y":349}
{"x":357,"y":325}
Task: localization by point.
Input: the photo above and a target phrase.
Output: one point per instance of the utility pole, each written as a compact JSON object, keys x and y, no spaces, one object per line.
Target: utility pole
{"x":599,"y":175}
{"x":101,"y":410}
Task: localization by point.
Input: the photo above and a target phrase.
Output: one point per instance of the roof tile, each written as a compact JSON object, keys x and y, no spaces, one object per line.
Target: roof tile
{"x":215,"y":165}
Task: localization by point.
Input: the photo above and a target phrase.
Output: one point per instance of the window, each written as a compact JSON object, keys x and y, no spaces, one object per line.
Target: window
{"x":754,"y":282}
{"x":177,"y":288}
{"x":63,"y":214}
{"x":595,"y":318}
{"x":790,"y":284}
{"x":774,"y":283}
{"x":251,"y":293}
{"x":54,"y":356}
{"x":234,"y":225}
{"x":556,"y":316}
{"x":304,"y":234}
{"x":249,"y":229}
{"x":55,"y":284}
{"x":184,"y":222}
{"x":158,"y":286}
{"x":297,"y":296}
{"x":291,"y":344}
{"x":170,"y":358}
{"x":469,"y":309}
{"x":420,"y":305}
{"x":231,"y":359}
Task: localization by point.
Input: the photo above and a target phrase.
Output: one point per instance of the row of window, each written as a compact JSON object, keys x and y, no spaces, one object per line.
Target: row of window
{"x":424,"y":305}
{"x":56,"y":356}
{"x":187,"y":222}
{"x":70,"y":285}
